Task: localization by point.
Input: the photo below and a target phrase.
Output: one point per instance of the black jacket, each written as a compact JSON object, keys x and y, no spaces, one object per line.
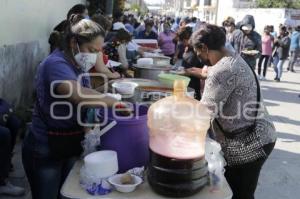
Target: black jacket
{"x":283,"y":46}
{"x":190,"y":59}
{"x":241,"y":41}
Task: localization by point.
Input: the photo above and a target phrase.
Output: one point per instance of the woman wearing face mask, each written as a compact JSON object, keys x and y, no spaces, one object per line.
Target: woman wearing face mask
{"x":165,"y":41}
{"x":229,"y":25}
{"x":54,"y":141}
{"x":239,"y":121}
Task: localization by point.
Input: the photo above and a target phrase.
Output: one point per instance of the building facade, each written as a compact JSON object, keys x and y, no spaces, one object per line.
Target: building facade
{"x":207,"y":10}
{"x":141,"y":3}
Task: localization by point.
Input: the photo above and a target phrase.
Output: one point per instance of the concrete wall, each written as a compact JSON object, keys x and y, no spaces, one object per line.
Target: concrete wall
{"x":25,"y":28}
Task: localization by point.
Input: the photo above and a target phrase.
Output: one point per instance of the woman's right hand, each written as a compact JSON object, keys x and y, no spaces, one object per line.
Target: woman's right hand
{"x":116,"y":75}
{"x":196,"y":72}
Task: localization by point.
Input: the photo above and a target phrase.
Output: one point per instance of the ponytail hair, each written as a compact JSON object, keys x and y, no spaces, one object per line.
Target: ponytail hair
{"x":82,"y":30}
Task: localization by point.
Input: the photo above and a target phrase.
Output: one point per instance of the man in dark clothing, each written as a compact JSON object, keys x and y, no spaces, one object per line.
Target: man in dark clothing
{"x":246,"y":41}
{"x":148,"y":33}
{"x":191,"y":60}
{"x":282,"y":45}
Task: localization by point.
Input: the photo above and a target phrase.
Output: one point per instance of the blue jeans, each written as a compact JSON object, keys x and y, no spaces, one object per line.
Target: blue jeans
{"x":5,"y":153}
{"x":8,"y":135}
{"x":45,"y":175}
{"x":14,"y":125}
{"x":278,"y":66}
{"x":294,"y":55}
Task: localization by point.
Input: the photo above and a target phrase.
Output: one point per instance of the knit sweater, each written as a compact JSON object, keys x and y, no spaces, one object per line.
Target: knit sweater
{"x":230,"y":88}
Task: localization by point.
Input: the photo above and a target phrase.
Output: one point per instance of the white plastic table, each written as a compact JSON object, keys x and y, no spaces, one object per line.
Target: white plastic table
{"x":72,"y":190}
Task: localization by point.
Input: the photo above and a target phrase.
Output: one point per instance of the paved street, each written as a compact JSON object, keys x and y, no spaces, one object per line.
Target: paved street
{"x":281,"y":173}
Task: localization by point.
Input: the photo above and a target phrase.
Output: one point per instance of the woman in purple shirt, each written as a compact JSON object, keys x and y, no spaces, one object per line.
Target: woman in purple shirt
{"x":165,"y":40}
{"x":54,"y":142}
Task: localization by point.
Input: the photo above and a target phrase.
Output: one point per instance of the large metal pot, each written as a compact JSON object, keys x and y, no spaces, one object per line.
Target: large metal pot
{"x":150,"y":72}
{"x":159,"y":60}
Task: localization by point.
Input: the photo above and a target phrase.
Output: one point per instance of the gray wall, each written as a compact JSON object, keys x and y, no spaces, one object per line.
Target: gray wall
{"x":25,"y":28}
{"x":17,"y":68}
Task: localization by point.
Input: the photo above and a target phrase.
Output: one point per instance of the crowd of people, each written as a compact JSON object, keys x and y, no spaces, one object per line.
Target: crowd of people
{"x":270,"y":48}
{"x":223,"y":57}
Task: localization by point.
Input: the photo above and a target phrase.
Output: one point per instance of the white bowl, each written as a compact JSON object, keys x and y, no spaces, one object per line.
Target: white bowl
{"x":125,"y":88}
{"x":124,"y":188}
{"x":101,"y":164}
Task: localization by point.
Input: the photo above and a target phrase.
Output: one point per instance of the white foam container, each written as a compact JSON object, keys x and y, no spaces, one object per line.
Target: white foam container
{"x":101,"y":164}
{"x":125,"y":88}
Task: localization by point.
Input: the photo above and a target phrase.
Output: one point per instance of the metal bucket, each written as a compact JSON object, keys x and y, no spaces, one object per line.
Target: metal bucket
{"x":150,"y":72}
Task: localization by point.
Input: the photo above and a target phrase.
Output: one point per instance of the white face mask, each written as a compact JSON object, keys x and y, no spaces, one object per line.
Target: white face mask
{"x":228,"y":29}
{"x":86,"y":60}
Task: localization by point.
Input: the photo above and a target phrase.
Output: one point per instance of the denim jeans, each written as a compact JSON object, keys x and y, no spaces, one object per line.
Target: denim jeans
{"x":5,"y":152}
{"x":45,"y":174}
{"x":275,"y":61}
{"x":14,"y":125}
{"x":278,"y":66}
{"x":294,"y":55}
{"x":8,"y":135}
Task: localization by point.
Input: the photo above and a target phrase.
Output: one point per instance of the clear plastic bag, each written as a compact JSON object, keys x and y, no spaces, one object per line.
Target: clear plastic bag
{"x":92,"y":139}
{"x":216,"y":164}
{"x":93,"y":184}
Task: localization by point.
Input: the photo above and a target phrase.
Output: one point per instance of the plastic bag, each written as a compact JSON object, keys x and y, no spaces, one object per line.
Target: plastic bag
{"x":216,"y":164}
{"x":92,"y":138}
{"x":91,"y":141}
{"x":138,"y":171}
{"x":94,"y":185}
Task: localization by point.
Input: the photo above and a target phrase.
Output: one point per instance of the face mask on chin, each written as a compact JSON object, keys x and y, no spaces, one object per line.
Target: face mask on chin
{"x":227,"y":29}
{"x":85,"y":60}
